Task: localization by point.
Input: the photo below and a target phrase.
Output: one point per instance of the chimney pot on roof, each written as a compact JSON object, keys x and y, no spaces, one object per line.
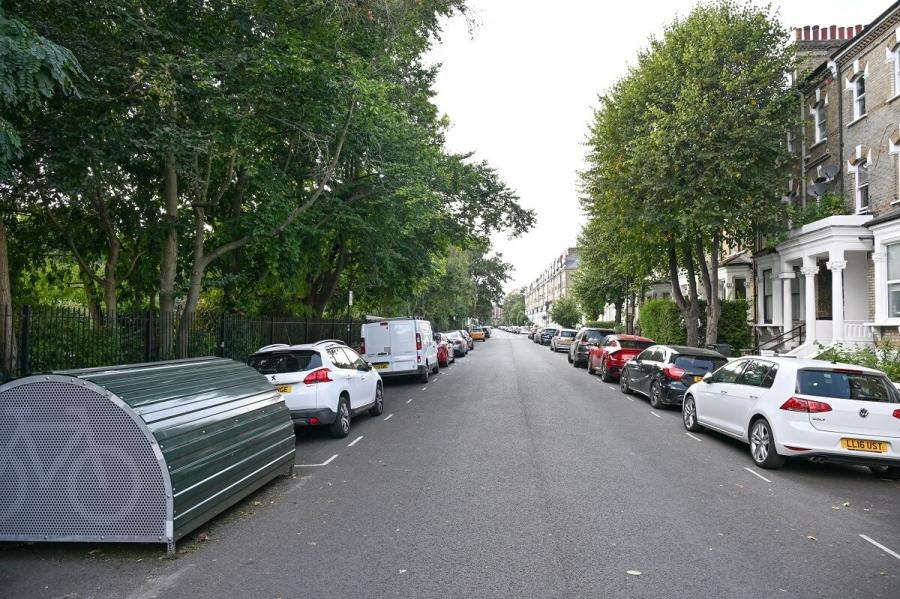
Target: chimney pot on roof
{"x":815,"y":33}
{"x":798,"y":34}
{"x":859,"y":29}
{"x":840,"y":34}
{"x":832,"y":32}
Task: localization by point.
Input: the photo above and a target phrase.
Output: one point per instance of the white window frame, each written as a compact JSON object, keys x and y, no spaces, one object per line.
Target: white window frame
{"x":858,"y":188}
{"x":859,"y":98}
{"x":821,"y":123}
{"x":896,"y":55}
{"x":890,"y":282}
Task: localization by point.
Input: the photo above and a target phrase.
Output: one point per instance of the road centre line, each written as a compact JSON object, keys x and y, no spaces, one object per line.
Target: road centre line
{"x":355,"y":441}
{"x":630,"y":398}
{"x":694,"y":437}
{"x":880,"y":546}
{"x":757,"y":474}
{"x":409,"y":400}
{"x":423,"y":388}
{"x":325,"y":463}
{"x":655,"y":414}
{"x":614,"y":388}
{"x":389,"y":416}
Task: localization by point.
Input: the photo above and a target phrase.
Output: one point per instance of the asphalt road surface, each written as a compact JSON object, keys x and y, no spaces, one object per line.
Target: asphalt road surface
{"x":512,"y":474}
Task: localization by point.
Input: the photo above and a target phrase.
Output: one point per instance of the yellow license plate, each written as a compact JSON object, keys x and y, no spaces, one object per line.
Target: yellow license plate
{"x":380,"y":365}
{"x":865,"y":445}
{"x":283,"y":388}
{"x":697,"y":379}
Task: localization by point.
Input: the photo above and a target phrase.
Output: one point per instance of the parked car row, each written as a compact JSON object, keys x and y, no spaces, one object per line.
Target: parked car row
{"x":782,"y":407}
{"x":516,"y":330}
{"x":327,"y":383}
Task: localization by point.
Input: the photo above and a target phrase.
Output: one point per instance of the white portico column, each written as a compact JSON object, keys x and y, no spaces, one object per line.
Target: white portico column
{"x":837,"y":264}
{"x":787,"y":319}
{"x":881,"y":302}
{"x":809,"y":271}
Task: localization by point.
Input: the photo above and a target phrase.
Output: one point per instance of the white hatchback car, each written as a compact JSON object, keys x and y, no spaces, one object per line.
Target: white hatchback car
{"x":323,"y":383}
{"x":785,"y":407}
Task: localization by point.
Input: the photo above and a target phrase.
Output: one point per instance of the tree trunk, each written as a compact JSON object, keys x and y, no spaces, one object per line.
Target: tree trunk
{"x":617,"y":305}
{"x":687,"y":306}
{"x":168,"y":263}
{"x":9,"y":355}
{"x":711,"y":284}
{"x":629,"y":326}
{"x":692,"y":323}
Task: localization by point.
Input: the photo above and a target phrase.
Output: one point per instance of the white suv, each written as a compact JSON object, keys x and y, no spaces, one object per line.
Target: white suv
{"x":323,"y":383}
{"x":785,"y":407}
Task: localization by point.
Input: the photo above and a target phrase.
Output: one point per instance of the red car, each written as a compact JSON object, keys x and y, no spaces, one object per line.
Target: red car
{"x":610,"y":356}
{"x":444,"y":350}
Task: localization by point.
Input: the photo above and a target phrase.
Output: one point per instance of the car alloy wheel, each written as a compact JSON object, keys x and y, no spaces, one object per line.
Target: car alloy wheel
{"x":341,"y":426}
{"x":762,"y":446}
{"x":623,"y":384}
{"x":689,"y":415}
{"x":656,"y":395}
{"x":378,"y":408}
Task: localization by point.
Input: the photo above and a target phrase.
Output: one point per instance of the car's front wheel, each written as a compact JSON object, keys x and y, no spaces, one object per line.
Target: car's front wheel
{"x":762,"y":445}
{"x":689,"y":415}
{"x":888,"y":472}
{"x":423,"y":376}
{"x":378,"y":408}
{"x":340,"y":428}
{"x":569,"y":357}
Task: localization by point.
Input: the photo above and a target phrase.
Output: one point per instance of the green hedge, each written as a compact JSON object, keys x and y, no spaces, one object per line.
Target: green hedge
{"x":885,"y":356}
{"x":661,"y":321}
{"x":733,"y":327}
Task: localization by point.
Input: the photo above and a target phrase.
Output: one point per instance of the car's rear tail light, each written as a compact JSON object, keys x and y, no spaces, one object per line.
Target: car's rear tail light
{"x":673,"y":372}
{"x":362,"y":346}
{"x":320,"y":375}
{"x":896,"y":413}
{"x":811,"y":406}
{"x":418,"y":341}
{"x":313,"y":420}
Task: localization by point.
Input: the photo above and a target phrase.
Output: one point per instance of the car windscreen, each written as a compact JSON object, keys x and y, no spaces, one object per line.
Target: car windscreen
{"x":845,"y":385}
{"x":549,"y":331}
{"x":632,"y":344}
{"x":569,"y":334}
{"x":595,"y":336}
{"x":704,"y":363}
{"x":278,"y":362}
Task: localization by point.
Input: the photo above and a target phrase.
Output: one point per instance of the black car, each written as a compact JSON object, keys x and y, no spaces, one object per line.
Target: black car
{"x":547,"y":335}
{"x":584,"y":340}
{"x":664,"y":372}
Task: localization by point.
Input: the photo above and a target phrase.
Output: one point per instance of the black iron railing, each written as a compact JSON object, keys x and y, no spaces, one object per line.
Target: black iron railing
{"x":773,"y":344}
{"x":42,"y":338}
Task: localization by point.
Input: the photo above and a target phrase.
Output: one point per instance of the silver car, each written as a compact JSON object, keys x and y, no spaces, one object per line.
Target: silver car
{"x":563,"y":339}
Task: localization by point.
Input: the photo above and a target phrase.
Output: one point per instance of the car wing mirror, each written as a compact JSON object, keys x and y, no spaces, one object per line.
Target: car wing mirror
{"x":707,"y":378}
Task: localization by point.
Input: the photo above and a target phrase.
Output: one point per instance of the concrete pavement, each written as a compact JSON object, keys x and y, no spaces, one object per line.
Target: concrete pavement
{"x":512,"y":474}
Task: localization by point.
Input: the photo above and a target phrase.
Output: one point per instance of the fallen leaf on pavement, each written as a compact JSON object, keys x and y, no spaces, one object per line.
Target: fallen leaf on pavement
{"x":634,"y":572}
{"x":811,"y":538}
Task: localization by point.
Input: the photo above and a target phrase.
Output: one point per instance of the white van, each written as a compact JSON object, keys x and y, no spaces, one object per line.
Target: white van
{"x":400,"y":347}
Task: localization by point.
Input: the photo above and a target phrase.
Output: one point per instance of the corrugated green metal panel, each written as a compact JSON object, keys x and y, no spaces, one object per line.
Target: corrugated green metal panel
{"x":222,"y":428}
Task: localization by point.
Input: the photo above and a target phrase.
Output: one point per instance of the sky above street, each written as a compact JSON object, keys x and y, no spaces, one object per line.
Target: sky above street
{"x":519,"y":88}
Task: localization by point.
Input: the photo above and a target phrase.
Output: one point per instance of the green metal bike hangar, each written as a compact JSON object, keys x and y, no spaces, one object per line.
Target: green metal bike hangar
{"x":141,"y":453}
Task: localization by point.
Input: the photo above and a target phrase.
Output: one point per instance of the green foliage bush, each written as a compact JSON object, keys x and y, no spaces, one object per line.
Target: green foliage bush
{"x":733,"y":327}
{"x":661,"y":321}
{"x":885,"y":356}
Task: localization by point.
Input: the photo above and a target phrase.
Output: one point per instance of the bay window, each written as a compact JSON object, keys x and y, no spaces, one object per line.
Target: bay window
{"x":893,"y":282}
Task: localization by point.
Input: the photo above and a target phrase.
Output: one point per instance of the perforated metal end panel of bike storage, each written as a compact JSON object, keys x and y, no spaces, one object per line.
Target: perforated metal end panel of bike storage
{"x":140,"y":453}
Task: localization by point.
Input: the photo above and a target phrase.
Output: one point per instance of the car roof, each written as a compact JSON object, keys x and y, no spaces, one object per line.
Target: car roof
{"x":599,"y":329}
{"x":687,"y":350}
{"x":570,"y":330}
{"x":632,"y":338}
{"x":279,"y":347}
{"x":799,"y":363}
